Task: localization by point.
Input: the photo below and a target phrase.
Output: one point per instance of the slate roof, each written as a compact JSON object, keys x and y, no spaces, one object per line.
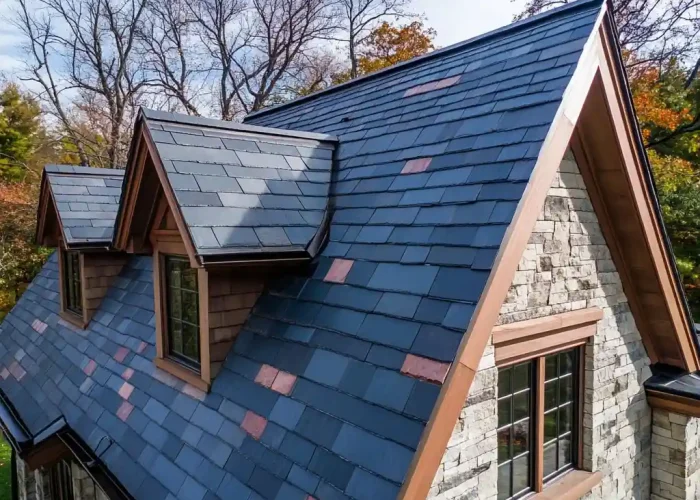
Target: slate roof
{"x":432,"y":160}
{"x":245,"y":189}
{"x":87,"y":200}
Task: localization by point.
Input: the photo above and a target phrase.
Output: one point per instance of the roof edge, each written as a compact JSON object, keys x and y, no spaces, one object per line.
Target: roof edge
{"x":577,"y":5}
{"x":81,"y":170}
{"x":197,"y":121}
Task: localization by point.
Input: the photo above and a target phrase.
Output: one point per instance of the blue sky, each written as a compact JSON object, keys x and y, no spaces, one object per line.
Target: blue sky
{"x":454,"y":21}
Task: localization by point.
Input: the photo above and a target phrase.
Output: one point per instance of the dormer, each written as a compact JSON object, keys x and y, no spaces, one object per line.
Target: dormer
{"x":77,"y":209}
{"x":221,"y":207}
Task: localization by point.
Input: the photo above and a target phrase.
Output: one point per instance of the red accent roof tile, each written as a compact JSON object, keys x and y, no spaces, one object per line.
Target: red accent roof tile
{"x":266,"y":375}
{"x":424,"y":368}
{"x":90,"y":367}
{"x":125,"y":390}
{"x":17,"y":371}
{"x":124,"y":411}
{"x":339,"y":271}
{"x":430,"y":86}
{"x":284,"y":383}
{"x":254,"y":424}
{"x":415,"y":166}
{"x":39,"y":325}
{"x":142,"y":347}
{"x":121,"y":354}
{"x":128,"y":373}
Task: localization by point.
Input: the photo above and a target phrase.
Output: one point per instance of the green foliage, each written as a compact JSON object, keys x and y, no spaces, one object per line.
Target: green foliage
{"x":5,"y":470}
{"x":19,"y":127}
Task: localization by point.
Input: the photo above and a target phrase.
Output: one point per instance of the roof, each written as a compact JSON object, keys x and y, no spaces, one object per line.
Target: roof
{"x":245,"y":189}
{"x":87,"y":200}
{"x":432,"y":160}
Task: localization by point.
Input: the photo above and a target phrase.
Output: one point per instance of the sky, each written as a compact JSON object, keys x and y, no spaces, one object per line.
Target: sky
{"x":454,"y":21}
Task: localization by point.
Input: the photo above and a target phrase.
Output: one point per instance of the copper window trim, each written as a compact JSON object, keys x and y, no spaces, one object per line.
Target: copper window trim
{"x":525,"y":340}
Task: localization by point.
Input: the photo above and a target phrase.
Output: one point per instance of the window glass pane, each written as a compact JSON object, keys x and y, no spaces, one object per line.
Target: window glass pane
{"x":504,"y":416}
{"x":566,"y":414}
{"x":550,"y":367}
{"x":566,"y":389}
{"x":183,"y":310}
{"x":521,"y":405}
{"x":550,"y":458}
{"x":521,"y":437}
{"x":565,"y":456}
{"x":504,"y":481}
{"x":550,"y":426}
{"x":521,"y":473}
{"x":550,"y":394}
{"x":566,"y":362}
{"x":521,"y":376}
{"x":504,"y":444}
{"x":504,"y":382}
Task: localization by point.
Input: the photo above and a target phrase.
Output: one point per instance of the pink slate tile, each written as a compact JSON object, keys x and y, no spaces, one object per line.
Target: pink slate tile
{"x":4,"y":373}
{"x":90,"y":367}
{"x":416,"y":166}
{"x":339,"y":271}
{"x":424,"y":368}
{"x":142,"y":347}
{"x":125,"y":390}
{"x":266,"y":375}
{"x":284,"y":383}
{"x":124,"y":411}
{"x":128,"y":373}
{"x":121,"y":354}
{"x":254,"y":424}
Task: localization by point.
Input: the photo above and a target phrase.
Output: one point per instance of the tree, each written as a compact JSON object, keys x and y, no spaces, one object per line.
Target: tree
{"x":86,"y":49}
{"x":19,"y":131}
{"x":239,"y":53}
{"x":20,"y":258}
{"x":388,"y":45}
{"x":359,"y":18}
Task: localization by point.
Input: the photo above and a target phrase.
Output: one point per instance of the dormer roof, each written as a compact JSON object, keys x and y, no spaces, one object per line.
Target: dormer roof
{"x":241,"y":192}
{"x":85,"y":200}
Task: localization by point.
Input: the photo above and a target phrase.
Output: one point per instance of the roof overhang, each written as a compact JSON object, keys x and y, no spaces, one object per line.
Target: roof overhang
{"x":55,"y":441}
{"x":596,"y":116}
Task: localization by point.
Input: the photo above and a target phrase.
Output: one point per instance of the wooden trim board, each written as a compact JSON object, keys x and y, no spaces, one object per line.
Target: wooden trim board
{"x":673,"y":403}
{"x":524,"y":340}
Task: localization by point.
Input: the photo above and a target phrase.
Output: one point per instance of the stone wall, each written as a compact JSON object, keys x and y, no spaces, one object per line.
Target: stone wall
{"x":31,"y":485}
{"x":566,"y":266}
{"x":675,"y":456}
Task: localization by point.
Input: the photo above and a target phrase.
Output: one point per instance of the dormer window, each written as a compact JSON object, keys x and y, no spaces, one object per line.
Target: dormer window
{"x":182,"y":303}
{"x":72,"y":284}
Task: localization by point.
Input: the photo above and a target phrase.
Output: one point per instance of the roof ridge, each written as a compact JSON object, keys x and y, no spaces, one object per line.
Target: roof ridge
{"x":199,"y":121}
{"x":576,"y":5}
{"x":64,"y":169}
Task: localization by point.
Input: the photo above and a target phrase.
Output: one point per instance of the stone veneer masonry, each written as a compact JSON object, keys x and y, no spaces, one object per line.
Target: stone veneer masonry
{"x":566,"y":266}
{"x":675,"y":456}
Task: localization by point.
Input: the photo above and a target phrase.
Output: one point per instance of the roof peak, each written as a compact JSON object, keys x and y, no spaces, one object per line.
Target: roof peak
{"x":575,"y":5}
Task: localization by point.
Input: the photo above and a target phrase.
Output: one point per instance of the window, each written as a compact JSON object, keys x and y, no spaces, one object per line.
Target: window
{"x":68,"y":480}
{"x":72,"y":295}
{"x":537,"y":397}
{"x":182,"y":317}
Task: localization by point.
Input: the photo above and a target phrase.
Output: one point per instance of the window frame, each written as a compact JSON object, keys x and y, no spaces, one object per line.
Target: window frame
{"x":182,"y":358}
{"x":73,"y":282}
{"x":77,"y":318}
{"x":168,"y":243}
{"x":538,"y":481}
